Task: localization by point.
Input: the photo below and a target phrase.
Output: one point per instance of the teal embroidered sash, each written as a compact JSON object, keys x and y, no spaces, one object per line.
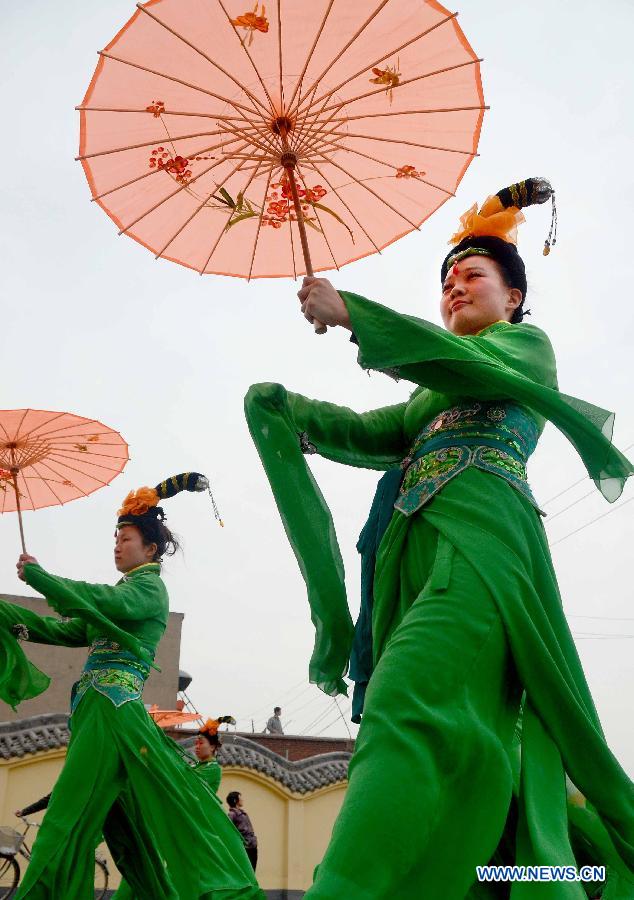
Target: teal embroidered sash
{"x":494,"y":437}
{"x":112,"y":672}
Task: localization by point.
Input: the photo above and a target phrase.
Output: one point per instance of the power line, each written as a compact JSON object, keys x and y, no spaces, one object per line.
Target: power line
{"x":294,"y":710}
{"x":330,"y":724}
{"x":258,"y":710}
{"x":603,"y":618}
{"x":319,"y":718}
{"x":604,"y":637}
{"x":575,"y":483}
{"x":560,"y":512}
{"x":343,"y":719}
{"x":310,"y":704}
{"x":565,"y":491}
{"x":592,"y":521}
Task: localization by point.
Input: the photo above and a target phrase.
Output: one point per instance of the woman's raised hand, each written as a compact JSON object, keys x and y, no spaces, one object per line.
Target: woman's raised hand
{"x":23,"y":560}
{"x":321,"y":301}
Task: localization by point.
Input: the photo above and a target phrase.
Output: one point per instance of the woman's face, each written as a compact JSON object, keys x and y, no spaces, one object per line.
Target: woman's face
{"x":475,"y":295}
{"x":129,"y":549}
{"x":203,"y":749}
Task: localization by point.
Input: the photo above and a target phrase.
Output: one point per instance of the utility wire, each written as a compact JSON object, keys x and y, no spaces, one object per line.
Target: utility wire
{"x":560,"y":512}
{"x":330,"y":724}
{"x":604,"y":637}
{"x":343,"y":719}
{"x":319,"y":718}
{"x":259,"y":709}
{"x":296,"y":709}
{"x":575,"y":483}
{"x":325,"y":712}
{"x":603,"y":618}
{"x":592,"y":521}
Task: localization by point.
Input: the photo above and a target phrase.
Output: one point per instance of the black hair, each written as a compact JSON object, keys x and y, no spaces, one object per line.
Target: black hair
{"x":167,"y":544}
{"x":153,"y":530}
{"x":232,"y":799}
{"x":506,"y":256}
{"x":214,"y":739}
{"x":277,"y":709}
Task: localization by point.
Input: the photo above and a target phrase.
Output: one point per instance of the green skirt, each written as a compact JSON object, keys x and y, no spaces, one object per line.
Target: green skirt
{"x":467,"y":616}
{"x":167,"y":832}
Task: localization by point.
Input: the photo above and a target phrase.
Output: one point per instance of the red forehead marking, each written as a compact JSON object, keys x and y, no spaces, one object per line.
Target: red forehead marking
{"x":454,"y":271}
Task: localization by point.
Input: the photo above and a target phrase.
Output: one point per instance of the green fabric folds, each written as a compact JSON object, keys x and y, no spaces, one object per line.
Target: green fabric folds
{"x":19,"y":678}
{"x":122,"y":776}
{"x":428,"y":355}
{"x":491,"y":541}
{"x":98,"y":605}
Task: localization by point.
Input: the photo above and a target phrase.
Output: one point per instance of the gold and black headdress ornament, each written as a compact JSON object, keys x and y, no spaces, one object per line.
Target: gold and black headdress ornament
{"x":492,"y":231}
{"x":141,"y":507}
{"x":211,"y":726}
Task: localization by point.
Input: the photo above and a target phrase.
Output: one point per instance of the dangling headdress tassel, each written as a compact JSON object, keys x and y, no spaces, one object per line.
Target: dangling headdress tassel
{"x":500,"y":215}
{"x":144,"y":501}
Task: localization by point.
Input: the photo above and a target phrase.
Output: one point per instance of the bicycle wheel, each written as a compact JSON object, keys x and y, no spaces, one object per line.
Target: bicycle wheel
{"x":101,"y":879}
{"x":9,"y":876}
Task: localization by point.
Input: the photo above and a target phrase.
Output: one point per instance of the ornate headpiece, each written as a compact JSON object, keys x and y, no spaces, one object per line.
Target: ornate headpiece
{"x":141,"y":507}
{"x":211,"y":726}
{"x":493,"y":232}
{"x":500,"y":215}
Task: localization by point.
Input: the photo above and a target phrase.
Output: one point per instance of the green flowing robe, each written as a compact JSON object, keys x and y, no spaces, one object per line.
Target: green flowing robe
{"x":485,"y":537}
{"x":210,"y":772}
{"x":122,"y":777}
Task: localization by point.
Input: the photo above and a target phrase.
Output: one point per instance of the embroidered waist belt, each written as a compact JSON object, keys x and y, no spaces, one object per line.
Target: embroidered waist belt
{"x":112,"y":672}
{"x":494,"y":437}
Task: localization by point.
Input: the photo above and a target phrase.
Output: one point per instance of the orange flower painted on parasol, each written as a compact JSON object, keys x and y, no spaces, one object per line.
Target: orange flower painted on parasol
{"x":252,"y":22}
{"x":279,"y":124}
{"x":49,"y":458}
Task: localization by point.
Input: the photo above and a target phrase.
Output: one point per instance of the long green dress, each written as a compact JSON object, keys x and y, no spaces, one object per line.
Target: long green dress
{"x":122,"y":777}
{"x":466,"y":616}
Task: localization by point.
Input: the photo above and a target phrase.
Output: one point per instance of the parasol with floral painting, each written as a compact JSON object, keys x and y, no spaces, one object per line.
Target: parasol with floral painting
{"x":49,"y":458}
{"x":224,"y":138}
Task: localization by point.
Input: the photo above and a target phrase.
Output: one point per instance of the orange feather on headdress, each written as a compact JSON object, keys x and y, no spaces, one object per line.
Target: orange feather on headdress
{"x":139,"y":501}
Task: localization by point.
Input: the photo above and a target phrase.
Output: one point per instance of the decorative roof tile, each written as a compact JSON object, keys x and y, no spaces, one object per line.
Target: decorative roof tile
{"x":33,"y":735}
{"x":38,"y":734}
{"x":301,"y":777}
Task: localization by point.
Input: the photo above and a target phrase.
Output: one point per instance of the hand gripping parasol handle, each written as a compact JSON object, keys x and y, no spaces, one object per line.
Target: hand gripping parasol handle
{"x":288,"y":161}
{"x":14,"y":473}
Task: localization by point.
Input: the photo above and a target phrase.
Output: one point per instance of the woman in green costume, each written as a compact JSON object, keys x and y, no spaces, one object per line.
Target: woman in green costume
{"x":206,"y":748}
{"x":462,"y":621}
{"x":167,"y":831}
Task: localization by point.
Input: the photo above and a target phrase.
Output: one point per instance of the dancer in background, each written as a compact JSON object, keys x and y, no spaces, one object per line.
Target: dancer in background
{"x":206,"y":748}
{"x":462,"y":621}
{"x":122,"y":776}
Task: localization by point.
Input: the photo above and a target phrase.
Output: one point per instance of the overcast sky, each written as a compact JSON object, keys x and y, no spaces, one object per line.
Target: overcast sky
{"x":93,"y":325}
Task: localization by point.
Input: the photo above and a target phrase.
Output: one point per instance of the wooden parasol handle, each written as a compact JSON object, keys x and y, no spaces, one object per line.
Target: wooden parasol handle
{"x":14,"y":473}
{"x":289,"y":161}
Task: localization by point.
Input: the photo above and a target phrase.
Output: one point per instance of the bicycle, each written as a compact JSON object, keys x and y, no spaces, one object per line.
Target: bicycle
{"x":12,"y":843}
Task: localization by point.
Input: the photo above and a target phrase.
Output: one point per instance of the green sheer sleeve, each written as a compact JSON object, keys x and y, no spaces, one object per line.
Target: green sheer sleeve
{"x":278,"y":420}
{"x":19,"y":678}
{"x":127,"y":601}
{"x":45,"y":629}
{"x":500,"y":365}
{"x":100,"y":605}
